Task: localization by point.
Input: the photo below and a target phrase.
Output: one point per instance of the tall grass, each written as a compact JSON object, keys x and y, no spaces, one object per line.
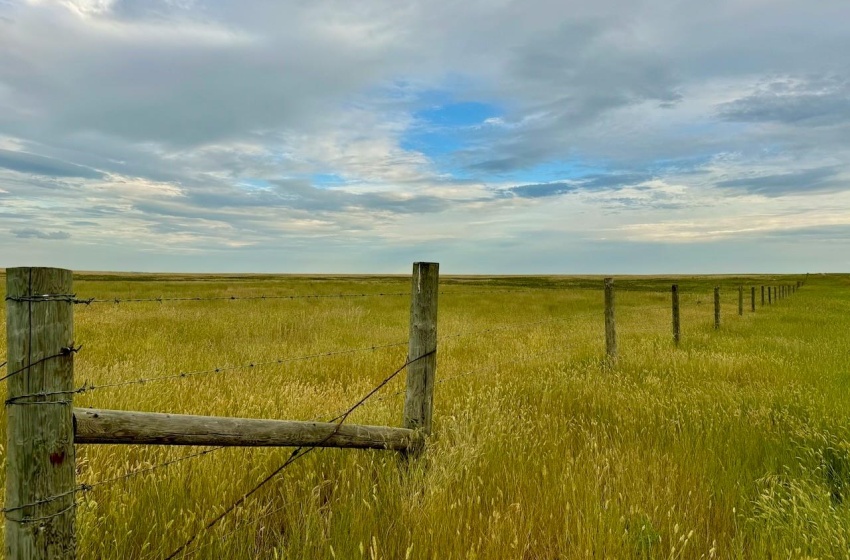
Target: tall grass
{"x":736,"y":444}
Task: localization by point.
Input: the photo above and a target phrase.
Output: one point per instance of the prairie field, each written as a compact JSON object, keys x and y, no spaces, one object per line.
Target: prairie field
{"x":735,"y":444}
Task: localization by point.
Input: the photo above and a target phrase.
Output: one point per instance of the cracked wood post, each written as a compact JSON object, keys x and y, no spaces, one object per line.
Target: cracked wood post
{"x":610,"y":326}
{"x":753,"y":299}
{"x":717,"y":307}
{"x":419,"y":396}
{"x":40,"y":429}
{"x":740,"y":300}
{"x":677,"y":332}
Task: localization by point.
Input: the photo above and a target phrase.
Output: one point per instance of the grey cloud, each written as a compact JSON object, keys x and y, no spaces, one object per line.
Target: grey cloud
{"x":23,"y":162}
{"x":818,"y":102}
{"x":602,"y":181}
{"x":31,"y":233}
{"x":543,"y":189}
{"x":807,"y":180}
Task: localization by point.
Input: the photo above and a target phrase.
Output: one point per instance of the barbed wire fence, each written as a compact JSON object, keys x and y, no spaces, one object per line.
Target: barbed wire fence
{"x":339,"y":418}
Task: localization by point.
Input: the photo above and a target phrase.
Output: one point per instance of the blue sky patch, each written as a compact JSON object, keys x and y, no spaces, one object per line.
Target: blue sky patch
{"x":446,"y":128}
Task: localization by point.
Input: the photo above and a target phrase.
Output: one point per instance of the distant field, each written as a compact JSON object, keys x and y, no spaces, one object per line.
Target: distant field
{"x":736,"y":444}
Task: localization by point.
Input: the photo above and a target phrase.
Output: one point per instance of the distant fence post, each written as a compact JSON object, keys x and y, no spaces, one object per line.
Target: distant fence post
{"x":769,"y":295}
{"x":740,"y":300}
{"x":717,"y":307}
{"x":40,"y":476}
{"x":677,"y":332}
{"x":419,"y":397}
{"x":610,"y":326}
{"x":753,"y":299}
{"x":762,"y":296}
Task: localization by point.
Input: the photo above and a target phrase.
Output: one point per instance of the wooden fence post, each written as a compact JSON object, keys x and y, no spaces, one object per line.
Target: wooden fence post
{"x":753,"y":299}
{"x":419,"y":397}
{"x":762,"y":296}
{"x":677,"y":333}
{"x":769,"y":295}
{"x":740,"y":300}
{"x":40,"y":476}
{"x":717,"y":307}
{"x":610,"y":326}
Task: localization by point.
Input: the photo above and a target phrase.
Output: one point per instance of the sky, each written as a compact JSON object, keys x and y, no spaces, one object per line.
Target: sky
{"x":493,"y":137}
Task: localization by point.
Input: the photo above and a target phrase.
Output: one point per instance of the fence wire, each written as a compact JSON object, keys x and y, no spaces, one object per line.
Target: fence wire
{"x":66,"y":351}
{"x":296,"y":454}
{"x":164,"y":299}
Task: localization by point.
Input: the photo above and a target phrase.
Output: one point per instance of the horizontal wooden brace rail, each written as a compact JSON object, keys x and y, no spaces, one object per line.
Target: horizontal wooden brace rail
{"x":123,"y":427}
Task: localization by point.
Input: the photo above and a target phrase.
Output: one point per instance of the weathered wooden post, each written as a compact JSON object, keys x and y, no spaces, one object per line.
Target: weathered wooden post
{"x":762,"y":296}
{"x":610,"y":326}
{"x":769,"y":295}
{"x":677,"y":333}
{"x":717,"y":307}
{"x":753,"y":299}
{"x":422,"y":348}
{"x":40,"y":477}
{"x":740,"y":300}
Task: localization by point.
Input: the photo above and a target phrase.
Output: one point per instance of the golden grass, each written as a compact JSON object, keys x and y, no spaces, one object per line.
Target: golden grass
{"x":734,"y":445}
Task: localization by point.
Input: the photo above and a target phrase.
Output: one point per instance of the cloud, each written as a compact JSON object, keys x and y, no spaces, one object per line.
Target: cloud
{"x":23,"y":162}
{"x":822,"y":101}
{"x":335,"y":127}
{"x":794,"y":182}
{"x":30,"y":233}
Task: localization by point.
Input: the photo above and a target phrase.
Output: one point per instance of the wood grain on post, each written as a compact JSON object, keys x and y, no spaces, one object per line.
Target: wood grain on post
{"x":753,"y":299}
{"x":677,"y":333}
{"x":610,"y":326}
{"x":152,"y":428}
{"x":40,"y":430}
{"x":421,"y":371}
{"x":740,"y":300}
{"x":717,"y":307}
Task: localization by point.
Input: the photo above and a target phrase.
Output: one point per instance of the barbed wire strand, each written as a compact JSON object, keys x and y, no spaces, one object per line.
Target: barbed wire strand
{"x":86,"y":487}
{"x":66,"y":351}
{"x":296,"y":454}
{"x":164,"y":299}
{"x":250,"y":365}
{"x":392,"y":395}
{"x":43,"y":518}
{"x":90,"y":387}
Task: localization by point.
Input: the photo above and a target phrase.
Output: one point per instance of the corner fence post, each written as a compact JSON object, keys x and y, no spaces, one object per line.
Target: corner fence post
{"x":717,"y":307}
{"x":610,"y":326}
{"x":753,"y":299}
{"x":40,"y":477}
{"x":677,"y":333}
{"x":419,"y":396}
{"x":740,"y":300}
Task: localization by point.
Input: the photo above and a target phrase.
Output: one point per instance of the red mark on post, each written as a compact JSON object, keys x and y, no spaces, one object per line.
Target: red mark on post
{"x":57,"y":458}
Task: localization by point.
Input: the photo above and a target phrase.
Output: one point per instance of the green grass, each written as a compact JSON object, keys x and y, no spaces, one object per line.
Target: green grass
{"x":736,"y":444}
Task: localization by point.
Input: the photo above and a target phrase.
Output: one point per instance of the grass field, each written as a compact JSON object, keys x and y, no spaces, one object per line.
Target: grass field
{"x":736,"y":444}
